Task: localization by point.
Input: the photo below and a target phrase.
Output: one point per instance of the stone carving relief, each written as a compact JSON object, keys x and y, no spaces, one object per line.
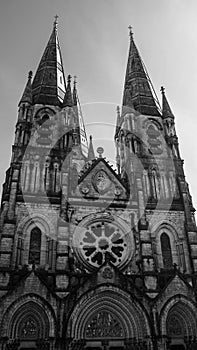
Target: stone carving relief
{"x":101,"y":181}
{"x":104,"y":324}
{"x":29,"y":329}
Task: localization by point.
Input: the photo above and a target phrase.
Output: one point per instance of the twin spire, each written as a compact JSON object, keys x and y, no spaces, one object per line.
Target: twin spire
{"x":138,"y":92}
{"x":49,"y":83}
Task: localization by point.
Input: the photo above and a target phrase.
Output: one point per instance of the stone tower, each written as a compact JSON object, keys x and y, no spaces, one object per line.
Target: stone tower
{"x":92,"y":258}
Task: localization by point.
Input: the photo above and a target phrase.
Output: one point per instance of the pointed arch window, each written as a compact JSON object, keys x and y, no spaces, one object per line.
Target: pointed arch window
{"x":56,"y":178}
{"x":25,"y":176}
{"x":153,"y":140}
{"x":23,"y":108}
{"x":153,"y":176}
{"x":46,"y":175}
{"x":146,"y":184}
{"x":35,"y":246}
{"x":163,"y":186}
{"x":20,"y":248}
{"x":166,"y":251}
{"x":45,"y":118}
{"x":36,"y":177}
{"x":20,"y":134}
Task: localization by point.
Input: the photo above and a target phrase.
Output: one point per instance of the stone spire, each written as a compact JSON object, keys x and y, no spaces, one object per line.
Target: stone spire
{"x":71,"y":100}
{"x":137,"y":89}
{"x":91,"y":154}
{"x":27,"y":94}
{"x":68,"y":98}
{"x":166,"y":110}
{"x":118,"y":120}
{"x":49,"y":81}
{"x":81,"y":128}
{"x":75,"y":92}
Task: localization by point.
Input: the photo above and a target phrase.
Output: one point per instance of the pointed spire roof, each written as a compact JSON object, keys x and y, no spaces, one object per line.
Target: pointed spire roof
{"x":27,"y":94}
{"x":166,"y":110}
{"x":71,"y":99}
{"x":49,"y":81}
{"x":137,"y":88}
{"x":118,"y":120}
{"x":91,"y":154}
{"x":75,"y":92}
{"x":68,"y":97}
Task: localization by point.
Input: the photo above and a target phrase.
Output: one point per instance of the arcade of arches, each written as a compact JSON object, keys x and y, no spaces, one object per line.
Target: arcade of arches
{"x":101,"y":320}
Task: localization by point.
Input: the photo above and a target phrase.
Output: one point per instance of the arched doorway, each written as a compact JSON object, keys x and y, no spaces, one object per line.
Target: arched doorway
{"x":28,"y":324}
{"x":105,"y":325}
{"x":180,"y":324}
{"x":108,"y":319}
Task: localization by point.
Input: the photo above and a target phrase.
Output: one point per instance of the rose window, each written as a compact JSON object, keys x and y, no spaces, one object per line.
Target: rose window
{"x":99,"y":240}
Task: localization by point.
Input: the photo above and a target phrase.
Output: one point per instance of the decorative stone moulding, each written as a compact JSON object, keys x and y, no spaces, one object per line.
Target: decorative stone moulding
{"x":101,"y":238}
{"x":101,"y":181}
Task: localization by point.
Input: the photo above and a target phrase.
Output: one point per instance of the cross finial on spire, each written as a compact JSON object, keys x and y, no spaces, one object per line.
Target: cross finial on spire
{"x":56,"y":21}
{"x":162,"y":90}
{"x":130,"y":31}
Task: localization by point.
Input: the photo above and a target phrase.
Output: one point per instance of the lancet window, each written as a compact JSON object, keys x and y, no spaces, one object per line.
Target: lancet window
{"x":146,"y":184}
{"x":25,"y":170}
{"x":166,"y":251}
{"x":154,"y":183}
{"x":35,"y":246}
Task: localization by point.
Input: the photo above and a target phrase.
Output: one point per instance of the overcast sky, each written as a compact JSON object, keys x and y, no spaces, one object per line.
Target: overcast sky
{"x":94,"y":43}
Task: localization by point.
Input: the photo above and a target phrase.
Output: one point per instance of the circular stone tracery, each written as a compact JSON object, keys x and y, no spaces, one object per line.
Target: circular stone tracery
{"x":101,"y":239}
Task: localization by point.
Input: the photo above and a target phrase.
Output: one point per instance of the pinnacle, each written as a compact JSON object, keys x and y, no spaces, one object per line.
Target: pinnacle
{"x":27,"y":94}
{"x":91,"y":154}
{"x":166,"y":110}
{"x":68,"y":98}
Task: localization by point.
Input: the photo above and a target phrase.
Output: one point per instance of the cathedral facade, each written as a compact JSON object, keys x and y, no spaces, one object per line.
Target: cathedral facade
{"x":92,"y":257}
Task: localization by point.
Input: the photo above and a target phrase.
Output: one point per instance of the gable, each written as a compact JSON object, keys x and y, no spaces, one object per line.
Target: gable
{"x":175,"y":286}
{"x":100,"y":181}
